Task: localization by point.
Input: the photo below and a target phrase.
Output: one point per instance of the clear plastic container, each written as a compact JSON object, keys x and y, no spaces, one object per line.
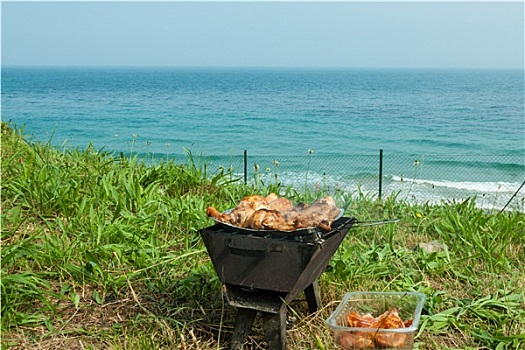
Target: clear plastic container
{"x":407,"y":304}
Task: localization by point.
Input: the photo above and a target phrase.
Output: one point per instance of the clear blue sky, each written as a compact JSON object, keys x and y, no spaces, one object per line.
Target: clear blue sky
{"x":264,"y":34}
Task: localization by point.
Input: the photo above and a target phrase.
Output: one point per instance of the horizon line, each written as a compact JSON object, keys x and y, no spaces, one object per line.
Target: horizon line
{"x":255,"y":67}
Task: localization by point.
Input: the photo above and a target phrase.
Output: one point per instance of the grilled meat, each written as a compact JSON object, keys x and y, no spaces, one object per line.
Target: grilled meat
{"x":278,"y":213}
{"x":241,"y":215}
{"x":281,"y":204}
{"x":268,"y":219}
{"x":319,"y":214}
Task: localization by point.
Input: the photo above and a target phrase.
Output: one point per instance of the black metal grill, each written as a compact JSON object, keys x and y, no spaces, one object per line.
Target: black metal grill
{"x":265,"y":271}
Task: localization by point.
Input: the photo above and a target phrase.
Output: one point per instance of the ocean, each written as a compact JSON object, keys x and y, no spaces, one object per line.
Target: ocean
{"x":445,"y":134}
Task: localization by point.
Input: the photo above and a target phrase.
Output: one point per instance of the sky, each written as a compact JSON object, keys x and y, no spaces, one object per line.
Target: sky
{"x":356,"y":34}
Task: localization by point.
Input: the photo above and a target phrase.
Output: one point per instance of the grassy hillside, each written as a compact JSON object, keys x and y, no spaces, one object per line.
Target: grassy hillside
{"x":102,"y":252}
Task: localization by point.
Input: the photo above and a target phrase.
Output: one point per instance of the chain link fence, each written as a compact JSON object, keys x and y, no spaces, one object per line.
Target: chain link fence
{"x":495,"y":181}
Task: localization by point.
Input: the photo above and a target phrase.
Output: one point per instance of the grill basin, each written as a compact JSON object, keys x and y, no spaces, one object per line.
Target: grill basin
{"x":265,"y":272}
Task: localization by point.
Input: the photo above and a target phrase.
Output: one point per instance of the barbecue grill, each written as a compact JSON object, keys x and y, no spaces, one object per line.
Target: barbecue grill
{"x":265,"y":271}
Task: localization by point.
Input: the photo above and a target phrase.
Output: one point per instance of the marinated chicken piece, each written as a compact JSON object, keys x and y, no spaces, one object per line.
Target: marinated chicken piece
{"x":389,"y":319}
{"x":390,"y":340}
{"x":356,"y":320}
{"x":357,"y":340}
{"x":360,"y":340}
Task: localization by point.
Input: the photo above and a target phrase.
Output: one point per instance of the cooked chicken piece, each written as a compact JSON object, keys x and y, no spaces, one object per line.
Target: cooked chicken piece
{"x":319,"y":214}
{"x":237,"y":217}
{"x":217,"y":215}
{"x":256,"y":220}
{"x":278,"y":213}
{"x":282,"y":204}
{"x":268,"y":219}
{"x":241,"y":215}
{"x":254,"y":202}
{"x":271,"y":197}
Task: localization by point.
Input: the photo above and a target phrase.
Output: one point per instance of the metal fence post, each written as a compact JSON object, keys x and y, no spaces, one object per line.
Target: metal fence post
{"x":245,"y":167}
{"x":380,"y":172}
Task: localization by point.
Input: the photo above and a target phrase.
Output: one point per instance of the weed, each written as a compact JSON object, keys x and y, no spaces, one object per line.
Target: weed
{"x":104,"y":251}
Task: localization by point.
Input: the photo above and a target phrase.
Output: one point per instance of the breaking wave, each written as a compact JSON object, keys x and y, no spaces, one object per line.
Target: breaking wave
{"x":481,"y":187}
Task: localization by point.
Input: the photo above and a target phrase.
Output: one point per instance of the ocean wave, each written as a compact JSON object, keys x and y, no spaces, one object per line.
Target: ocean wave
{"x":488,"y":195}
{"x":481,"y":187}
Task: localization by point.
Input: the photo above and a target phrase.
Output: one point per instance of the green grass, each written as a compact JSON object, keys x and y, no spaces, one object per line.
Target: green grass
{"x":103,"y":252}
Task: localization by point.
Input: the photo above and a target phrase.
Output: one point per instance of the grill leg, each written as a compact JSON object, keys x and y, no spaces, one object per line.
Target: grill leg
{"x":312,"y":297}
{"x":243,"y":325}
{"x":275,"y":329}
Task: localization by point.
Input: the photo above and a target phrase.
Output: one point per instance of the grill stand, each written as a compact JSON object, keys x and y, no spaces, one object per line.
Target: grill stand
{"x":273,"y":309}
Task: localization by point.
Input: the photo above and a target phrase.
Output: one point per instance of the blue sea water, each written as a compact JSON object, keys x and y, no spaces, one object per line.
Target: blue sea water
{"x":443,"y":132}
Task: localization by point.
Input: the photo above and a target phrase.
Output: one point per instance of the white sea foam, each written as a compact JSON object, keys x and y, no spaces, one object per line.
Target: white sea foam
{"x":479,"y":187}
{"x":489,"y":195}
